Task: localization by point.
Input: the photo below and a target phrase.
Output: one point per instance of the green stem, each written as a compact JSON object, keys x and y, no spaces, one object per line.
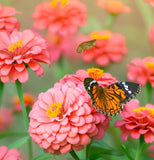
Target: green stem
{"x":109,"y":21}
{"x":88,"y":151}
{"x":1,"y":92}
{"x":140,"y":147}
{"x":147,"y":92}
{"x":74,"y":155}
{"x":20,"y":95}
{"x":61,"y":66}
{"x":146,"y":11}
{"x":7,"y":134}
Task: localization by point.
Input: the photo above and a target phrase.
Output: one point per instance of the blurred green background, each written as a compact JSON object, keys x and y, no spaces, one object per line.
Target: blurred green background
{"x":133,"y":26}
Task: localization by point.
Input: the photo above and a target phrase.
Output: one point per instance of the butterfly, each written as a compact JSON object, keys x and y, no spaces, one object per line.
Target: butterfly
{"x":110,"y":100}
{"x":86,"y":45}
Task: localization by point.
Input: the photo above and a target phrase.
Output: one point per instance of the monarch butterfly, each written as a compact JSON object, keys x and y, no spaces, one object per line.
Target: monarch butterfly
{"x":110,"y":100}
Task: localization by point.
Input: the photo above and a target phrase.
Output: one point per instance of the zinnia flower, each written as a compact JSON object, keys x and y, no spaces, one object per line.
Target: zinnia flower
{"x":137,"y":121}
{"x":151,"y":34}
{"x":6,"y":119}
{"x":63,"y":118}
{"x":61,"y":20}
{"x":141,"y":70}
{"x":12,"y":154}
{"x":58,"y":45}
{"x":28,"y":100}
{"x":150,"y":150}
{"x":18,"y":51}
{"x":107,"y":49}
{"x":151,"y":2}
{"x":7,"y":20}
{"x":113,"y":6}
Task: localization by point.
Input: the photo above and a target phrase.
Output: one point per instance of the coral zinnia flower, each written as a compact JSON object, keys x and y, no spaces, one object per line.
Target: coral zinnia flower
{"x":106,"y":50}
{"x":19,"y":50}
{"x":28,"y":100}
{"x":150,"y":150}
{"x":136,"y":121}
{"x":151,"y":34}
{"x":6,"y":119}
{"x":113,"y":6}
{"x":7,"y":21}
{"x":62,"y":45}
{"x":151,"y":2}
{"x":12,"y":154}
{"x":141,"y":70}
{"x":60,"y":20}
{"x":63,"y":118}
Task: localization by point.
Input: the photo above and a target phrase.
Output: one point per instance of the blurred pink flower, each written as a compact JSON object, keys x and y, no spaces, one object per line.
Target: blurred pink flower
{"x":29,"y":99}
{"x":151,"y":2}
{"x":62,"y":45}
{"x":63,"y":118}
{"x":106,"y":50}
{"x":12,"y":154}
{"x":19,"y":50}
{"x":60,"y":20}
{"x":151,"y":34}
{"x":141,"y":70}
{"x":113,"y":6}
{"x":7,"y":21}
{"x":150,"y":150}
{"x":136,"y":121}
{"x":6,"y":119}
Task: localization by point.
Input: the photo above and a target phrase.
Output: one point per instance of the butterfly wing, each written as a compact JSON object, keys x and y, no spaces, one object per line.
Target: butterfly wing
{"x":96,"y":93}
{"x":109,"y":100}
{"x":86,"y":45}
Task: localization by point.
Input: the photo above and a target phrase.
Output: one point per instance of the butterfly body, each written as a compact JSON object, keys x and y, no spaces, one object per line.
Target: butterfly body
{"x":110,"y":100}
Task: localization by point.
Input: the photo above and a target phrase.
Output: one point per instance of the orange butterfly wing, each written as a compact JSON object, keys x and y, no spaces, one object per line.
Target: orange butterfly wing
{"x":108,"y":100}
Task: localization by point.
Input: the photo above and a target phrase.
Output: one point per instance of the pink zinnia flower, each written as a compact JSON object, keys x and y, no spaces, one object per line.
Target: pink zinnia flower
{"x":6,"y":119}
{"x":63,"y":118}
{"x":141,"y":70}
{"x":137,"y":121}
{"x":106,"y":50}
{"x":12,"y":154}
{"x":62,"y":45}
{"x":113,"y":6}
{"x":150,"y":150}
{"x":29,"y":99}
{"x":7,"y":20}
{"x":60,"y":20}
{"x":151,"y":34}
{"x":151,"y":2}
{"x":18,"y":51}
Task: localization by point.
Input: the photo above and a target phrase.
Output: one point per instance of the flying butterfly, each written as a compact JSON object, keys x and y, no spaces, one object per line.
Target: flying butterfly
{"x":86,"y":45}
{"x":110,"y":100}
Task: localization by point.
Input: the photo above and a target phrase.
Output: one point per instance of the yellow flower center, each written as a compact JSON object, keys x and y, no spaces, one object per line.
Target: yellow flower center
{"x":100,"y":35}
{"x":54,"y":3}
{"x":150,"y":65}
{"x":15,"y":45}
{"x":151,"y":111}
{"x":95,"y":73}
{"x":54,"y":109}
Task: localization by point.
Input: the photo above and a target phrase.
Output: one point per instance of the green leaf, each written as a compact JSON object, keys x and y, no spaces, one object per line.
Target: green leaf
{"x":105,"y":157}
{"x":15,"y":134}
{"x":100,"y":147}
{"x":19,"y":143}
{"x":43,"y":156}
{"x":126,"y":151}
